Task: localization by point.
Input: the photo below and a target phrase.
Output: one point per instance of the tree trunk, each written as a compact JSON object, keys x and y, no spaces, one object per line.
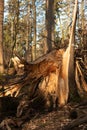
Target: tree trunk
{"x":50,"y":23}
{"x":70,"y":50}
{"x":34,"y":27}
{"x":28,"y":33}
{"x":1,"y":36}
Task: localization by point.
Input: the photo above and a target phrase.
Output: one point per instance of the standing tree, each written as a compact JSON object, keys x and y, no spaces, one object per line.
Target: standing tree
{"x":34,"y":31}
{"x":1,"y":36}
{"x":50,"y":23}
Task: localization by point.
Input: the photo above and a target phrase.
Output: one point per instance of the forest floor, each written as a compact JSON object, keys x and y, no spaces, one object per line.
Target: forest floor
{"x":54,"y":120}
{"x":71,"y":115}
{"x":58,"y":120}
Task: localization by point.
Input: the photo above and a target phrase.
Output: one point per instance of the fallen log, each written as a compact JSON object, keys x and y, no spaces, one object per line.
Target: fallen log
{"x":75,"y":123}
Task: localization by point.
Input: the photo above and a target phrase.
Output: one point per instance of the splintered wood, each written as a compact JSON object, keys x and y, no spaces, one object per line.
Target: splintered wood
{"x":50,"y":70}
{"x":80,"y":79}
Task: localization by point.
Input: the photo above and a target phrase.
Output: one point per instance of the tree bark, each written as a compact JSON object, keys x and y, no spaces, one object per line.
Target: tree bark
{"x":70,"y":54}
{"x":50,"y":23}
{"x":1,"y":36}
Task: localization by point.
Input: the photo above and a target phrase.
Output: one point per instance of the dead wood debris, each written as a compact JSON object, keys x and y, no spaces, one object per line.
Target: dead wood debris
{"x":81,"y":78}
{"x":31,"y":99}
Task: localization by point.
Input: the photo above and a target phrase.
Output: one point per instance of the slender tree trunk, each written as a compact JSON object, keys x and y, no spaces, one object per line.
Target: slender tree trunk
{"x":66,"y":79}
{"x":34,"y":27}
{"x":1,"y":36}
{"x":50,"y":23}
{"x":28,"y":33}
{"x":16,"y":26}
{"x":71,"y":70}
{"x":82,"y":21}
